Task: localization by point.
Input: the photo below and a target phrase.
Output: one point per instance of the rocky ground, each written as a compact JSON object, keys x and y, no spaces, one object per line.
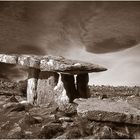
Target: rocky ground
{"x":18,"y":119}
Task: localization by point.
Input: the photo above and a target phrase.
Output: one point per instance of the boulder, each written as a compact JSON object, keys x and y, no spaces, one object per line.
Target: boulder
{"x":51,"y":130}
{"x":106,"y":110}
{"x":31,"y":120}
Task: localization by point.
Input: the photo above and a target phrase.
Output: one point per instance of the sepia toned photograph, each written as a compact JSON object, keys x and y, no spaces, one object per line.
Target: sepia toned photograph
{"x":69,"y":69}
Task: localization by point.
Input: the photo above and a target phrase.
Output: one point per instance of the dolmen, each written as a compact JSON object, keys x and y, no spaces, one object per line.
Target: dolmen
{"x":53,"y":78}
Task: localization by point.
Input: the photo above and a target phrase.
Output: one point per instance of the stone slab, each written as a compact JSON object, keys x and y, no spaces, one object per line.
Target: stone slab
{"x":51,"y":63}
{"x":107,"y":110}
{"x":32,"y":85}
{"x":29,"y":61}
{"x":67,"y":66}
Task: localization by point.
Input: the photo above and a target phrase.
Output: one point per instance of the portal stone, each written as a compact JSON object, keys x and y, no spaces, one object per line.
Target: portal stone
{"x":82,"y":85}
{"x":60,"y":97}
{"x":69,"y":85}
{"x":32,"y":84}
{"x":45,"y":87}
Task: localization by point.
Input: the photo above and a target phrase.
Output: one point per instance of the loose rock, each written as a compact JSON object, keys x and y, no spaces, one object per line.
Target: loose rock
{"x":65,"y":125}
{"x":50,"y":131}
{"x":66,"y":119}
{"x":136,"y":134}
{"x":106,"y":110}
{"x":14,"y":106}
{"x":10,"y":105}
{"x":28,"y":134}
{"x":82,"y":85}
{"x":45,"y":87}
{"x":73,"y":133}
{"x":120,"y":135}
{"x":69,"y":109}
{"x":30,"y":120}
{"x":5,"y":125}
{"x":13,"y":99}
{"x":62,"y":136}
{"x":69,"y":85}
{"x":106,"y":133}
{"x":16,"y":132}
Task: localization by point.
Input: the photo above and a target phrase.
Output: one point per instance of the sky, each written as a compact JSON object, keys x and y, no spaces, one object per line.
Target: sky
{"x":104,"y":33}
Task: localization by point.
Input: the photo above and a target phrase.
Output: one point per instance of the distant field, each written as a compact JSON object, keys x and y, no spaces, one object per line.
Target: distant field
{"x":19,"y":88}
{"x":8,"y":87}
{"x":110,"y":91}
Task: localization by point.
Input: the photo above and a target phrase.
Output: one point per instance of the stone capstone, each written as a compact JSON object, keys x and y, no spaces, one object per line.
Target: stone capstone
{"x":106,"y":110}
{"x":29,"y":61}
{"x":10,"y":59}
{"x":51,"y":63}
{"x":67,"y":66}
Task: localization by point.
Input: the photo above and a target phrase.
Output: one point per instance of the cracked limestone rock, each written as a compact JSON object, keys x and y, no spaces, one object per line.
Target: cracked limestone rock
{"x":106,"y":110}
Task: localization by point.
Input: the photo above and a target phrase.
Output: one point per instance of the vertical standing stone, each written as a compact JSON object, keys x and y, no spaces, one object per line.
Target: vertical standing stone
{"x":45,"y":87}
{"x":60,"y":95}
{"x":32,"y":84}
{"x":69,"y":85}
{"x":82,"y":85}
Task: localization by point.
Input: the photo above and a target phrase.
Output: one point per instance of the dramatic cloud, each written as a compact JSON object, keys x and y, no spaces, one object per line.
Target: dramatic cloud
{"x":123,"y":66}
{"x":71,"y":28}
{"x":115,"y":27}
{"x":101,"y":26}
